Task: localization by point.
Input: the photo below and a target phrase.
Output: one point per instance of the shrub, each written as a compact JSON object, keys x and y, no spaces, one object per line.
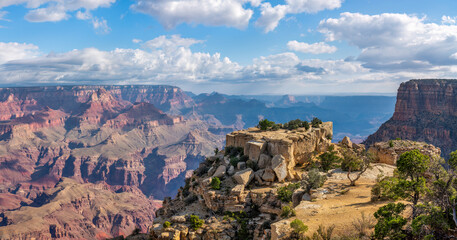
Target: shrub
{"x":298,"y":226}
{"x":316,"y":122}
{"x":215,"y":183}
{"x":196,"y":222}
{"x":363,"y":225}
{"x":314,"y":179}
{"x":324,"y":233}
{"x":166,"y":224}
{"x":390,"y":222}
{"x":216,"y":151}
{"x":265,"y":124}
{"x":234,"y":151}
{"x":391,"y":143}
{"x":285,"y":193}
{"x":252,"y":165}
{"x":329,"y":160}
{"x":288,"y":211}
{"x":234,"y":161}
{"x":297,"y":123}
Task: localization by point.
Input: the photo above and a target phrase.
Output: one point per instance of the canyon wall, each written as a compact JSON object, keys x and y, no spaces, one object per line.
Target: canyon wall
{"x":426,"y":110}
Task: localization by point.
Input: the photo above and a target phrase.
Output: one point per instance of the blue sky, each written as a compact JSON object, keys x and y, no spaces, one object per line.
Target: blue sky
{"x":230,"y":46}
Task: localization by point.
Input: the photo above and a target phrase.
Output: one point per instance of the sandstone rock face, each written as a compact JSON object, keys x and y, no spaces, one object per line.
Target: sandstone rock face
{"x":384,"y":153}
{"x":426,"y":111}
{"x":295,"y":146}
{"x":268,"y":175}
{"x":244,"y":177}
{"x":279,"y":166}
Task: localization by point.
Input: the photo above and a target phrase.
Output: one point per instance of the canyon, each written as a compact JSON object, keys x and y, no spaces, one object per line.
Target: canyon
{"x":107,"y":154}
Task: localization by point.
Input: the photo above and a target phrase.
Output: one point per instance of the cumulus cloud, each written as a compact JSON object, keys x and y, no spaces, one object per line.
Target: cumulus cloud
{"x":58,"y":10}
{"x":171,"y":13}
{"x":15,"y":51}
{"x":394,"y":42}
{"x":315,"y":48}
{"x":270,"y":16}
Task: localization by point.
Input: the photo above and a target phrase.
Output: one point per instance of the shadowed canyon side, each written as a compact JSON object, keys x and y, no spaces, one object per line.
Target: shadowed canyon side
{"x":426,"y":110}
{"x":114,"y":138}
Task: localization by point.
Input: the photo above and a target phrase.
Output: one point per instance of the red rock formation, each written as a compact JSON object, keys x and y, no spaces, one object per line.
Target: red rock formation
{"x":93,"y":135}
{"x":426,"y":110}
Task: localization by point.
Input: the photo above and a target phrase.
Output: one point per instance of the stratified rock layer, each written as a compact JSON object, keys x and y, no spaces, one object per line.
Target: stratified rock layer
{"x":426,"y":111}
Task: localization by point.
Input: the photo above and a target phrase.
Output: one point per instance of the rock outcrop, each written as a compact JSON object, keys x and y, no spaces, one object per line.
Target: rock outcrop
{"x":426,"y":111}
{"x":294,"y":147}
{"x":265,"y":160}
{"x":389,"y":152}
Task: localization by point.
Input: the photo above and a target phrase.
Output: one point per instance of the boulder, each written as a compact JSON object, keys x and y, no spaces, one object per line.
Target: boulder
{"x":279,"y":166}
{"x":297,"y":196}
{"x":254,"y":149}
{"x":258,"y":175}
{"x":280,"y":230}
{"x":220,"y":171}
{"x":346,"y":142}
{"x":244,"y":177}
{"x":306,"y":197}
{"x":178,"y":219}
{"x":237,"y":190}
{"x":264,"y":161}
{"x":268,"y":175}
{"x":231,"y":170}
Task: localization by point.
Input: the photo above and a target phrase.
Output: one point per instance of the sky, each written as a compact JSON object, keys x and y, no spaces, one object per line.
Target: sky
{"x":297,"y":47}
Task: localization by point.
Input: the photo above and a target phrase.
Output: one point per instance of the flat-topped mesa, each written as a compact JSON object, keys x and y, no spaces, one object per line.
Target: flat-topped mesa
{"x":296,"y":146}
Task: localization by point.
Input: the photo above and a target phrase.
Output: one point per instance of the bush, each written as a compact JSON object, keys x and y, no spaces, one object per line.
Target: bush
{"x":265,"y":124}
{"x":324,"y":233}
{"x":391,"y":143}
{"x":390,"y":222}
{"x":285,"y":193}
{"x":234,"y":151}
{"x":363,"y":225}
{"x":297,"y":123}
{"x":288,"y":211}
{"x":329,"y":160}
{"x":314,"y":179}
{"x":316,"y":122}
{"x":196,"y":222}
{"x":234,"y":161}
{"x":298,"y":226}
{"x":166,"y":224}
{"x":215,"y":183}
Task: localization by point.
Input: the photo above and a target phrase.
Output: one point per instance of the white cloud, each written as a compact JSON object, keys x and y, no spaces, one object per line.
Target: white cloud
{"x":270,"y":16}
{"x":100,"y":25}
{"x":15,"y":51}
{"x":2,"y":16}
{"x":394,"y":42}
{"x":448,"y":20}
{"x":58,"y":10}
{"x":315,"y":48}
{"x":136,"y":40}
{"x":171,"y":13}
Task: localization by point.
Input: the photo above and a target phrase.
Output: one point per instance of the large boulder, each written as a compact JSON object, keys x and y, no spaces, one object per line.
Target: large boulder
{"x":264,"y":161}
{"x":244,"y":177}
{"x":280,"y":230}
{"x":220,"y":171}
{"x":268,"y":175}
{"x":254,"y":149}
{"x":279,"y":166}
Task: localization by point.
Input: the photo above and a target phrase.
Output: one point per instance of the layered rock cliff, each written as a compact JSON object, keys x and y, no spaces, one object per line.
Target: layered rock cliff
{"x":111,"y":135}
{"x":426,"y":110}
